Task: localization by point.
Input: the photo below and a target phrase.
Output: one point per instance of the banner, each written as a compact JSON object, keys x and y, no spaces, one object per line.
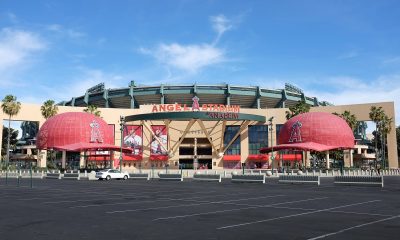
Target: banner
{"x":133,"y":139}
{"x":155,"y":147}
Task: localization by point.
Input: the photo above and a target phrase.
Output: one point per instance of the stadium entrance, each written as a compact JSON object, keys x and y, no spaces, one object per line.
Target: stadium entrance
{"x":195,"y":153}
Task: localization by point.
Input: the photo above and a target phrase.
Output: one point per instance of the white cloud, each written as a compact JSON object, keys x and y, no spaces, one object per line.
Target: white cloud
{"x":220,"y":24}
{"x":390,"y":61}
{"x":16,"y":50}
{"x":189,"y":58}
{"x":12,"y":17}
{"x":385,"y":88}
{"x":351,"y":54}
{"x":68,"y":32}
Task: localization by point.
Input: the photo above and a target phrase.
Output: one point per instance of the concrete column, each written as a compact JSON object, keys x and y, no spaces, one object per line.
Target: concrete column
{"x":42,"y":157}
{"x":244,"y":145}
{"x":351,"y":157}
{"x":63,"y":159}
{"x":306,"y":159}
{"x":346,"y":156}
{"x":327,"y":160}
{"x":82,"y":160}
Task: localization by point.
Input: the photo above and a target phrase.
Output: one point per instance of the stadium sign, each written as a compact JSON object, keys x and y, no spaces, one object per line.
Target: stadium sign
{"x":214,"y":110}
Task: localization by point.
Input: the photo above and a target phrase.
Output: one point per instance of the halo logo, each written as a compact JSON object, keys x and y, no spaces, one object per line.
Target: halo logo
{"x":195,"y":105}
{"x":95,"y":135}
{"x":295,"y":135}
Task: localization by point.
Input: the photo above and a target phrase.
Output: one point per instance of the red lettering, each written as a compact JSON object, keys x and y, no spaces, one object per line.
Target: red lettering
{"x":162,"y":108}
{"x":170,"y":107}
{"x":154,"y":108}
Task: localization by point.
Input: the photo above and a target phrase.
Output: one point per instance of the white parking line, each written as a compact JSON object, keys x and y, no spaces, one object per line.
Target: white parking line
{"x":354,"y":227}
{"x":236,"y":209}
{"x":126,"y":195}
{"x":157,"y":200}
{"x":187,"y":205}
{"x":295,"y":215}
{"x":357,"y":213}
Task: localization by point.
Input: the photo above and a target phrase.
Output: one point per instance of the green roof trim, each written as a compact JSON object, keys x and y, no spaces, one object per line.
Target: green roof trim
{"x":208,"y":116}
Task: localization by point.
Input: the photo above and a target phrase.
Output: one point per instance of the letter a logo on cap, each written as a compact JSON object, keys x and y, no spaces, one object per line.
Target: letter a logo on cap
{"x":295,"y":135}
{"x":95,"y":135}
{"x":195,"y":105}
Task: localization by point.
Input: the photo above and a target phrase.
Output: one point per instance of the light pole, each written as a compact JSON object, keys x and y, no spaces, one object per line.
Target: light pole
{"x":122,"y":124}
{"x":272,"y":145}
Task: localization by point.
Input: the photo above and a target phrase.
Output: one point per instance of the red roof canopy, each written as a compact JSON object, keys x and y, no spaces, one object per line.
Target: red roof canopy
{"x":314,"y":131}
{"x":76,"y":131}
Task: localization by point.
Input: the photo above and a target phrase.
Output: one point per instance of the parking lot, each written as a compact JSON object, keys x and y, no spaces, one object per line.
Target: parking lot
{"x":67,"y":209}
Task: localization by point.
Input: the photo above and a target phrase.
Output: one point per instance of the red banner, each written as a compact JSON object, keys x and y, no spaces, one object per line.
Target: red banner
{"x":155,"y":147}
{"x":133,"y":139}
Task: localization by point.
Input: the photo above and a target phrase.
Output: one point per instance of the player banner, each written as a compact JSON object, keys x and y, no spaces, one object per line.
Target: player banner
{"x":133,"y":139}
{"x":156,"y":148}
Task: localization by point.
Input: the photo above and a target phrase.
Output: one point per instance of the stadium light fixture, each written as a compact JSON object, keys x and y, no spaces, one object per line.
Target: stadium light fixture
{"x":122,"y":124}
{"x":272,"y":145}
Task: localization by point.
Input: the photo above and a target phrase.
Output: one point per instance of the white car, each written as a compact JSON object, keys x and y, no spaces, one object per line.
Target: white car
{"x":109,"y":174}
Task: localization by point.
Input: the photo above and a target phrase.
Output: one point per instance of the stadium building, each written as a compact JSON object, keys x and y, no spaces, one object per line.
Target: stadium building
{"x":189,"y":127}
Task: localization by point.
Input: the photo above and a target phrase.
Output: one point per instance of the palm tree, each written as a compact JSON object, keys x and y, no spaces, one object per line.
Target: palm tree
{"x":11,"y":107}
{"x":48,"y":109}
{"x":93,"y":110}
{"x":386,"y":128}
{"x":300,"y":107}
{"x":376,"y":115}
{"x":349,"y":118}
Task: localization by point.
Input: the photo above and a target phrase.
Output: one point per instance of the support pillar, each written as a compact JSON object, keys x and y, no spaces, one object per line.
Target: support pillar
{"x":63,"y":159}
{"x":82,"y":160}
{"x":347,"y":158}
{"x":327,"y":160}
{"x":41,"y":159}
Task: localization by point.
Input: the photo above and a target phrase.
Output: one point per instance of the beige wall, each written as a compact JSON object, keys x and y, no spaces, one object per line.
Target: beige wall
{"x":32,"y":112}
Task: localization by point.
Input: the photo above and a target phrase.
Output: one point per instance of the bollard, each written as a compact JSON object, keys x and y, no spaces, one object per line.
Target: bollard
{"x":31,"y":175}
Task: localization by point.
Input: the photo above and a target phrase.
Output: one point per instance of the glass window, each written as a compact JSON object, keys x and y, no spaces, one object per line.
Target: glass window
{"x":230,"y":132}
{"x":258,"y":138}
{"x":278,"y":128}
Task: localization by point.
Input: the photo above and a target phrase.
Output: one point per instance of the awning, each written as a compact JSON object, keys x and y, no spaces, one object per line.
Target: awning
{"x":258,"y":157}
{"x":81,"y":146}
{"x":290,"y":157}
{"x":231,"y":158}
{"x":133,"y":158}
{"x":304,"y":146}
{"x":159,"y":157}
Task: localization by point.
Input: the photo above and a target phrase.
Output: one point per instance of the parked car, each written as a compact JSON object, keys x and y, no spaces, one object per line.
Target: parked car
{"x":109,"y":174}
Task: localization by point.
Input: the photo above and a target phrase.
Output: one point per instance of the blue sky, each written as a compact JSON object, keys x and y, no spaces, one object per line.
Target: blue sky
{"x":340,"y":51}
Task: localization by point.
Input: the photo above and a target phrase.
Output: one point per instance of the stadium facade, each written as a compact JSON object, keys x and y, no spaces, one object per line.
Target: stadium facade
{"x":200,"y":127}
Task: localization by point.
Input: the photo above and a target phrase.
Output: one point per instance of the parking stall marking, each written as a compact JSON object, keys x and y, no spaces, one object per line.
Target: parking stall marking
{"x":130,"y":195}
{"x":157,"y":200}
{"x":236,"y":209}
{"x":182,"y":205}
{"x":354,"y":227}
{"x":294,"y":215}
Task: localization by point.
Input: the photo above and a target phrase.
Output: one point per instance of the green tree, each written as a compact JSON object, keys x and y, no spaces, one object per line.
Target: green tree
{"x":48,"y":109}
{"x":300,"y":107}
{"x":11,"y":107}
{"x":13,"y":139}
{"x":349,"y":118}
{"x":93,"y":110}
{"x":385,"y":128}
{"x":376,"y":114}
